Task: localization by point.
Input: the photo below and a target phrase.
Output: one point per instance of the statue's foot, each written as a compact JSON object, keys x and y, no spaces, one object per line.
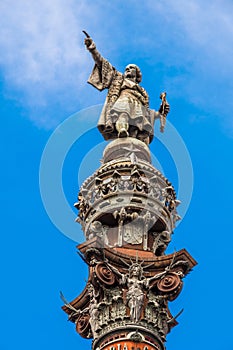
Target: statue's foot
{"x":109,"y":127}
{"x":123,"y":133}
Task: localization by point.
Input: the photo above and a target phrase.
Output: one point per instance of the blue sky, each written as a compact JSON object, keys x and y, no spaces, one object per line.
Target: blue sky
{"x":183,"y":47}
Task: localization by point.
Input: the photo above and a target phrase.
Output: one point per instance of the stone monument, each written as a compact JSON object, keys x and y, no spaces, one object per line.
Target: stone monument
{"x":128,"y":211}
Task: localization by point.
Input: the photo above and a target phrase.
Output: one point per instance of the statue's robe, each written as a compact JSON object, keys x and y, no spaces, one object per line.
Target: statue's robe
{"x":124,"y":96}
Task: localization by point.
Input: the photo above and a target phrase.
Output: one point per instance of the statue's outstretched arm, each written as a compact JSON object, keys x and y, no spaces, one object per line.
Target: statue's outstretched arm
{"x":91,"y":47}
{"x":123,"y":277}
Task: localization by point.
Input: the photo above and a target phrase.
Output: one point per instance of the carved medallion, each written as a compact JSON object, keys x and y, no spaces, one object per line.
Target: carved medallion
{"x":170,"y":284}
{"x":104,"y":274}
{"x":83,"y":326}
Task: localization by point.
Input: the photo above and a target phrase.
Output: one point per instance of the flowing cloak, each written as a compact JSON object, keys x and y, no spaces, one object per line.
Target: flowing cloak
{"x":124,"y":96}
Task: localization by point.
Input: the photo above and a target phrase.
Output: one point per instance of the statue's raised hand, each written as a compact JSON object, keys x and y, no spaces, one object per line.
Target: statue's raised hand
{"x":90,"y":45}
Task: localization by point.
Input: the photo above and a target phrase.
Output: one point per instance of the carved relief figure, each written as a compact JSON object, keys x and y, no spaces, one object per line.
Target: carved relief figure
{"x":126,"y":111}
{"x":93,"y":309}
{"x":97,"y":229}
{"x":122,"y":216}
{"x":137,"y":285}
{"x":161,"y":241}
{"x":135,"y":294}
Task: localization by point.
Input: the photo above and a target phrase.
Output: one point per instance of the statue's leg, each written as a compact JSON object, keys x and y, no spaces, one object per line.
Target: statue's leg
{"x":133,"y":131}
{"x":144,"y":137}
{"x":122,"y":125}
{"x":109,"y":125}
{"x":146,"y":140}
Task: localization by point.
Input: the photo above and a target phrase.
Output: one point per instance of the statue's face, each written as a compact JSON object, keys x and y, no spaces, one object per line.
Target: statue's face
{"x":136,"y":270}
{"x":131,"y":72}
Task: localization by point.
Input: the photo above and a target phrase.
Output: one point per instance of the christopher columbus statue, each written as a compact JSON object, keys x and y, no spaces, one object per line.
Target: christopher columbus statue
{"x":126,"y":110}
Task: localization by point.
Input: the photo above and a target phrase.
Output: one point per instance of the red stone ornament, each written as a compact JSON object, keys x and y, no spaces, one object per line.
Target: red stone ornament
{"x":83,"y":325}
{"x":171,"y":285}
{"x":104,"y":274}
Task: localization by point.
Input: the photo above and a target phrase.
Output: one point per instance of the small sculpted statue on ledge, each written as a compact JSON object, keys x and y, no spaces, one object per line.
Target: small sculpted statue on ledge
{"x":126,"y":110}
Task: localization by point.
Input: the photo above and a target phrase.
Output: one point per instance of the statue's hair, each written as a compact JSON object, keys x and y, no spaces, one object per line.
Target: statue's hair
{"x":138,"y":74}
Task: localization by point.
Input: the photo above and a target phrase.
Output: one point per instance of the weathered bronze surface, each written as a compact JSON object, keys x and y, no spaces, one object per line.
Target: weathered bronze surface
{"x":128,"y":211}
{"x":126,"y":110}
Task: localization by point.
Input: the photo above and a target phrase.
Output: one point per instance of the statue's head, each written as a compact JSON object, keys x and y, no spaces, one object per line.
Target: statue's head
{"x":96,"y":226}
{"x":133,"y":72}
{"x":136,"y":270}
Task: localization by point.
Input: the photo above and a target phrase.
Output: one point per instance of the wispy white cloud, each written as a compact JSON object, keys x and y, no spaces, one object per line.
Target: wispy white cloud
{"x":209,"y":25}
{"x":201,"y":33}
{"x":41,"y":53}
